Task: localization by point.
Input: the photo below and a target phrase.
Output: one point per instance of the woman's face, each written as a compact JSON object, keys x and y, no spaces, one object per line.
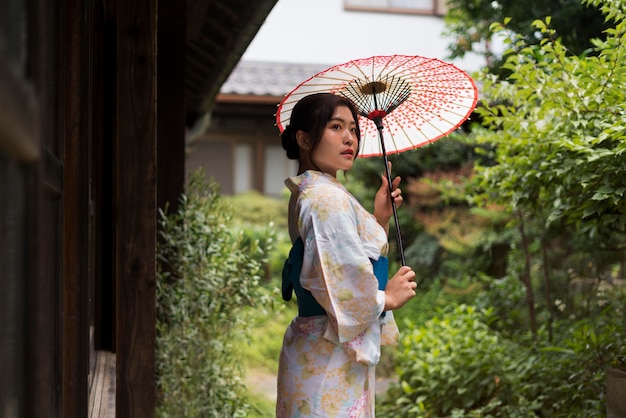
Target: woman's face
{"x":338,"y":146}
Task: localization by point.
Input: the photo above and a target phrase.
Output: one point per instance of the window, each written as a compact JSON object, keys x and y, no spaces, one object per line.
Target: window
{"x":437,"y":7}
{"x":277,"y":169}
{"x":243,"y":168}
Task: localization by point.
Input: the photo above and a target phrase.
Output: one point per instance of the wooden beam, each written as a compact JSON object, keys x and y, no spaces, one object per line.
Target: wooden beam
{"x":75,"y":312}
{"x":135,"y":206}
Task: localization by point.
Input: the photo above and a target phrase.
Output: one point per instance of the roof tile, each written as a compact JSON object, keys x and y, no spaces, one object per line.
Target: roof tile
{"x":268,"y":78}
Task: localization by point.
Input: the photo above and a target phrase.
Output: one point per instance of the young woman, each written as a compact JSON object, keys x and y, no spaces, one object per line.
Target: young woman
{"x":330,"y":349}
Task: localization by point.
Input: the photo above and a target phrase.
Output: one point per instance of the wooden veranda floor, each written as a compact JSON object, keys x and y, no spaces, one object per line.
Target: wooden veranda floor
{"x":102,"y":386}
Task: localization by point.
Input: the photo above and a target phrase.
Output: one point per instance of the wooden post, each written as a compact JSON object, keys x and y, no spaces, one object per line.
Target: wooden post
{"x":75,"y":312}
{"x":135,"y":206}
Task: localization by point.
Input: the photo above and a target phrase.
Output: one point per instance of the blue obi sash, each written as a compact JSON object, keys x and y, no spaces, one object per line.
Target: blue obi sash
{"x":307,"y":305}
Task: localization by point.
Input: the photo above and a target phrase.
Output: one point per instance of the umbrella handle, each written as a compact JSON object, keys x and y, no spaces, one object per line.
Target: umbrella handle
{"x":379,"y":126}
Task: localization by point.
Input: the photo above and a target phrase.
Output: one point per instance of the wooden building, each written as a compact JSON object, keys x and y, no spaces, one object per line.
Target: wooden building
{"x":95,"y":101}
{"x":241,"y":148}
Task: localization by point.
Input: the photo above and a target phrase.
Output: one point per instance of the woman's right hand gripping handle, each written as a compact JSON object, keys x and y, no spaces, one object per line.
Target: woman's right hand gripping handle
{"x":400,"y":288}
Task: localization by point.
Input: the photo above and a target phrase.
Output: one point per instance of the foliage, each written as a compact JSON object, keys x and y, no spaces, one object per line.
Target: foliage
{"x":429,"y":300}
{"x":505,"y":296}
{"x":263,"y":218}
{"x":469,"y":23}
{"x":449,"y":153}
{"x":450,"y":364}
{"x":557,"y":123}
{"x":456,"y":365}
{"x":207,"y":278}
{"x":261,"y":407}
{"x":559,"y":147}
{"x":578,"y":365}
{"x":254,"y":209}
{"x":435,"y":167}
{"x":263,"y":346}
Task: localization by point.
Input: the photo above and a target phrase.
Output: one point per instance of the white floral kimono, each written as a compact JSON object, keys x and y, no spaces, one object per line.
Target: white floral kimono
{"x":327,"y":363}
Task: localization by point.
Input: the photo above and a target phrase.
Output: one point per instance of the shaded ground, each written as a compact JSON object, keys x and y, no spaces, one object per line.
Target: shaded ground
{"x":261,"y":382}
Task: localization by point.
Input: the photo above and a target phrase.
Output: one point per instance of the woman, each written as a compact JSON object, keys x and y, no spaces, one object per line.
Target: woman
{"x":326,"y":366}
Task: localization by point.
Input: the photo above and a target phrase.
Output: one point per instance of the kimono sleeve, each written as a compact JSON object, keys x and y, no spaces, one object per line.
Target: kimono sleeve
{"x":336,"y":269}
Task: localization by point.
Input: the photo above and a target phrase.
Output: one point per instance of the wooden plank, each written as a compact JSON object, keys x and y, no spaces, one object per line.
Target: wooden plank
{"x":102,"y":387}
{"x":135,"y":206}
{"x":75,"y":313}
{"x":95,"y":387}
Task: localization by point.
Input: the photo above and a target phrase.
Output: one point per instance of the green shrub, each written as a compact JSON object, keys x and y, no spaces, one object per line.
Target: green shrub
{"x":207,"y":278}
{"x":453,"y":362}
{"x":455,"y":365}
{"x":573,"y":373}
{"x":259,"y":214}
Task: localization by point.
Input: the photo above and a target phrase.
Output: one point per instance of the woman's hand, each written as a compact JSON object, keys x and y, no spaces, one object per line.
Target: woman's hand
{"x":400,"y":288}
{"x":383,"y":210}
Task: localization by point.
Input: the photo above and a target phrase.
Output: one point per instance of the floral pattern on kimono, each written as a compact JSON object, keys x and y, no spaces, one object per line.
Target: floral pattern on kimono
{"x":327,"y":363}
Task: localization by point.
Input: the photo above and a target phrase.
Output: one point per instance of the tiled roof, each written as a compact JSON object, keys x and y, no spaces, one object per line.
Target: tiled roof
{"x":268,"y":78}
{"x":272,"y":79}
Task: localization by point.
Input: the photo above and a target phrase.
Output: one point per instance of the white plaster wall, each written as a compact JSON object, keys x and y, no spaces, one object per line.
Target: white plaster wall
{"x":322,"y":32}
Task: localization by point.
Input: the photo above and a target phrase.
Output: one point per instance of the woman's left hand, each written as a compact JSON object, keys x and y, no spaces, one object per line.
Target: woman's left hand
{"x":383,"y":210}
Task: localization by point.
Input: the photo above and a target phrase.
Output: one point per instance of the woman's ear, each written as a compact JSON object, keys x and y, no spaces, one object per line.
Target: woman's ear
{"x":303,"y":140}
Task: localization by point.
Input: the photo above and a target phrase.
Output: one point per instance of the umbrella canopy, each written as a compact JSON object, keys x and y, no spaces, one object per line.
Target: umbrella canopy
{"x":419,"y":99}
{"x":414,"y":100}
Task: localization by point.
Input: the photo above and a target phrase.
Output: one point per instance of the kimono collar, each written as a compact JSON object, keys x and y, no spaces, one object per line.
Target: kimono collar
{"x":311,"y":177}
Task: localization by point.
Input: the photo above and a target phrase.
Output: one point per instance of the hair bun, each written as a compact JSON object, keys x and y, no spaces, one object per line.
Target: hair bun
{"x":290,"y":145}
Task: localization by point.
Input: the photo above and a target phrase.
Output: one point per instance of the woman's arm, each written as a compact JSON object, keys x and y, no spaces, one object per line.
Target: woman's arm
{"x":336,"y":268}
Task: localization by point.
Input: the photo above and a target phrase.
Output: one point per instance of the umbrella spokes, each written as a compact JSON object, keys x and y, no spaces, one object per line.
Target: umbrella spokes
{"x":376,"y":99}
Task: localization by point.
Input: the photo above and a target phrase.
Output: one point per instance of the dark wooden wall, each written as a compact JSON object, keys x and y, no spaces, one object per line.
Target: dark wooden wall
{"x":44,"y":60}
{"x":80,"y":133}
{"x":19,"y":195}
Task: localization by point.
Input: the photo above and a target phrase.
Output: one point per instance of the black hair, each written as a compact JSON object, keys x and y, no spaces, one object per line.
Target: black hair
{"x":310,"y":115}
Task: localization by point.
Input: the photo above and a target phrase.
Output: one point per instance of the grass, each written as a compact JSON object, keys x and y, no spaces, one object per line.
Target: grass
{"x":260,"y":406}
{"x":266,"y":337}
{"x":262,"y":351}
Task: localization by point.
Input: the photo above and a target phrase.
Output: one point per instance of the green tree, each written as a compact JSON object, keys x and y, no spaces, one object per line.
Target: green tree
{"x":469,"y":23}
{"x":560,"y":144}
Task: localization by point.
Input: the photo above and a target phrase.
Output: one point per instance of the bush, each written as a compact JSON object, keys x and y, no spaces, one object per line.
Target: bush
{"x":455,"y":365}
{"x":574,"y":372}
{"x":452,"y":363}
{"x":207,"y":278}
